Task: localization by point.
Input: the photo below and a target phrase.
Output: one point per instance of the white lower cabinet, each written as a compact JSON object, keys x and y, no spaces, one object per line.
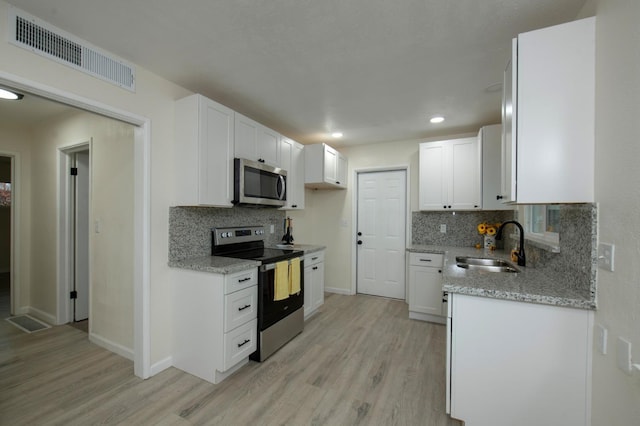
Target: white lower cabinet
{"x":517,"y":363}
{"x":216,"y":322}
{"x":425,"y":287}
{"x":313,"y":282}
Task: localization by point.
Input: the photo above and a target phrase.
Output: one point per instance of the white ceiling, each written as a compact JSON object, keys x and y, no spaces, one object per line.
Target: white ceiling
{"x":373,"y":69}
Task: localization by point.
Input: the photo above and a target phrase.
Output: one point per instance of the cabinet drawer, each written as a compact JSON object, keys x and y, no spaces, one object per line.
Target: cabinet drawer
{"x":240,"y":307}
{"x":426,"y":259}
{"x":313,"y":258}
{"x":240,"y":280}
{"x":239,"y":344}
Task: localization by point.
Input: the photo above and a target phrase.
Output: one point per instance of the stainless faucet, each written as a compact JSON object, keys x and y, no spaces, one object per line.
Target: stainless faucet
{"x":520,"y":255}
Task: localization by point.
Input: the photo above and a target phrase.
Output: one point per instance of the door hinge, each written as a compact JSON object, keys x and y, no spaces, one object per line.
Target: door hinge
{"x":73,"y":295}
{"x":74,"y":171}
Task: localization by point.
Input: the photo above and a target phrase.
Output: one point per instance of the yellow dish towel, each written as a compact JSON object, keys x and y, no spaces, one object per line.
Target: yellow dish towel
{"x":294,"y":276}
{"x":281,"y":286}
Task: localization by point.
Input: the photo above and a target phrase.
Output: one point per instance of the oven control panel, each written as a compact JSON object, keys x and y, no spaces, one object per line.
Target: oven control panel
{"x":237,"y":234}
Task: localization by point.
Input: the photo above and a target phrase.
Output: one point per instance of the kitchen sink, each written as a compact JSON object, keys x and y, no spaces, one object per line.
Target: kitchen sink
{"x":485,"y":264}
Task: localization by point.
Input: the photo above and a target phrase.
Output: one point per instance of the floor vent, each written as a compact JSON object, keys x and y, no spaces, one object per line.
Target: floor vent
{"x":46,"y":40}
{"x":27,"y":323}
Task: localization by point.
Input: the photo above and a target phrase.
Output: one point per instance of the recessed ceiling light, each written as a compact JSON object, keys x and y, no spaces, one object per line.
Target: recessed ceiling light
{"x":336,"y":135}
{"x":437,"y":119}
{"x":12,"y":96}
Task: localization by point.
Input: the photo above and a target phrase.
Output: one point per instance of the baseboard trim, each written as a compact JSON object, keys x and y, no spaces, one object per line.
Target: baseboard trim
{"x":336,"y":290}
{"x":39,"y":314}
{"x":427,"y":317}
{"x":111,"y":346}
{"x":161,"y":365}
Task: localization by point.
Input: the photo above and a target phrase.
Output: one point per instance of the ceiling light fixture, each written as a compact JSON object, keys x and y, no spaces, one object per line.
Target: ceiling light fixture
{"x":436,"y":119}
{"x":9,"y":95}
{"x":336,"y":135}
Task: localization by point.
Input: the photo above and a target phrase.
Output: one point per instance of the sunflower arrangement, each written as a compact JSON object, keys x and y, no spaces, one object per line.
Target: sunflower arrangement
{"x":488,"y":230}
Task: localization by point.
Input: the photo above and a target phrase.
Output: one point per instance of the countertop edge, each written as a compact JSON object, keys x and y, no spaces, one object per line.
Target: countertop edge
{"x":214,"y":264}
{"x":501,"y":287}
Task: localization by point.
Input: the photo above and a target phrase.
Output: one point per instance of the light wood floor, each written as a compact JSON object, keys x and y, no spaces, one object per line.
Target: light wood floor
{"x":359,"y":361}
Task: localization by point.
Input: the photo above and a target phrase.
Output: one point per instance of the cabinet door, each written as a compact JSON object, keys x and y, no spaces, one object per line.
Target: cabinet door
{"x":318,"y":285}
{"x":246,"y":141}
{"x":516,"y":363}
{"x":426,"y":290}
{"x":556,"y":110}
{"x":268,"y":146}
{"x":308,"y":285}
{"x":432,"y":185}
{"x":491,"y":142}
{"x":297,"y":186}
{"x":292,"y":160}
{"x":341,"y":170}
{"x":509,"y":120}
{"x":465,"y":178}
{"x":330,"y":165}
{"x":216,"y":154}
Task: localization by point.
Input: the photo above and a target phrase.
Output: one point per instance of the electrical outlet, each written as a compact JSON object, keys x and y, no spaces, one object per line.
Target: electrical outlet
{"x":601,"y":339}
{"x":443,"y":228}
{"x":624,"y":355}
{"x":272,"y":229}
{"x":606,"y":256}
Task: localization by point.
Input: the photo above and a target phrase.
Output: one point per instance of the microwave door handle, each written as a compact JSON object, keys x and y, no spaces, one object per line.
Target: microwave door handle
{"x":283,"y":184}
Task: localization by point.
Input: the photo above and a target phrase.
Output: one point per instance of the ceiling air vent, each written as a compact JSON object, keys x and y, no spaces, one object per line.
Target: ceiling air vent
{"x":46,"y":40}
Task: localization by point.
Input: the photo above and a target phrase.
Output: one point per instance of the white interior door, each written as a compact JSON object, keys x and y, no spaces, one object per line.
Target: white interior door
{"x":81,"y":237}
{"x":381,"y":232}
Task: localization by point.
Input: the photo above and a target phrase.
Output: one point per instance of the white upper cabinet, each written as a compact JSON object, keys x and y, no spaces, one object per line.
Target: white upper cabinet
{"x":325,"y":167}
{"x":204,"y":145}
{"x":548,"y":116}
{"x":450,"y":175}
{"x":256,"y":142}
{"x":292,"y":160}
{"x":491,"y":139}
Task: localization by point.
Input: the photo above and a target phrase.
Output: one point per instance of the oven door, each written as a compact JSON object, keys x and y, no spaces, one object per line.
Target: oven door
{"x":258,"y":183}
{"x":270,"y":311}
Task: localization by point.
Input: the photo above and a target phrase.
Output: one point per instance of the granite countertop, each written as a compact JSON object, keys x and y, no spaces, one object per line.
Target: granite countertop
{"x":229,"y":265}
{"x":530,"y":285}
{"x":215,"y":264}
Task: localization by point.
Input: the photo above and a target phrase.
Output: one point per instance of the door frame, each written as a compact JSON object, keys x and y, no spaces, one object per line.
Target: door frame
{"x":354,"y":216}
{"x":65,"y":226}
{"x":16,"y":214}
{"x":142,"y":205}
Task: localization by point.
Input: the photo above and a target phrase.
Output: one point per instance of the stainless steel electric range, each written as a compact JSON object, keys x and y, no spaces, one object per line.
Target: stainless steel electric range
{"x":278,"y":321}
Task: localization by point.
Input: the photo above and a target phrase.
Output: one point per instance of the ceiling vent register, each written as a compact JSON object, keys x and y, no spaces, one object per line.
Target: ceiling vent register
{"x":46,"y":40}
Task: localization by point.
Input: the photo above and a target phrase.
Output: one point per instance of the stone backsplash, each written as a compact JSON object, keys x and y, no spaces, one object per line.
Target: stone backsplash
{"x":190,"y":227}
{"x":461,"y":227}
{"x":578,"y":253}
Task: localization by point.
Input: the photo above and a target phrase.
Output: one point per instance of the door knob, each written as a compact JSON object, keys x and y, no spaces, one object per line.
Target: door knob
{"x":359,"y":234}
{"x":359,"y":242}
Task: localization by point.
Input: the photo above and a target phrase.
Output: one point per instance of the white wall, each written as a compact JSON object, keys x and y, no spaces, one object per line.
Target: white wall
{"x":616,"y":395}
{"x":111,"y":262}
{"x":154,"y":98}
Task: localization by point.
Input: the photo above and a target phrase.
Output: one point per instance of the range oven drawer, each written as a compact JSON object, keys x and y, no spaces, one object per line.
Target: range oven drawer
{"x":240,"y":343}
{"x":240,"y":280}
{"x":240,"y":307}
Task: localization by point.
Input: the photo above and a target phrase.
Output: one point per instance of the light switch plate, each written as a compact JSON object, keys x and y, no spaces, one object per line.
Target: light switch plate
{"x":606,"y":256}
{"x":601,"y":339}
{"x":443,"y":228}
{"x":624,"y":355}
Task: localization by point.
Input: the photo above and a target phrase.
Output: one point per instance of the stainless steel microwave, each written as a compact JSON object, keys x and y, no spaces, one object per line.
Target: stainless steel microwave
{"x":259,"y":184}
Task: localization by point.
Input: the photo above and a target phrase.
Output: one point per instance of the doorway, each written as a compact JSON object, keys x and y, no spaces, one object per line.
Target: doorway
{"x":77,"y":210}
{"x":6,"y":196}
{"x":381,"y":233}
